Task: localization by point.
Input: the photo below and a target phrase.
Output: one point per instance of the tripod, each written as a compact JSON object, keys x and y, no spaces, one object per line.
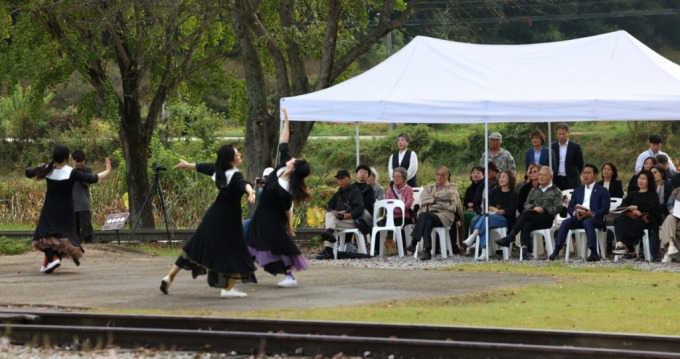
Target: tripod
{"x":156,"y":185}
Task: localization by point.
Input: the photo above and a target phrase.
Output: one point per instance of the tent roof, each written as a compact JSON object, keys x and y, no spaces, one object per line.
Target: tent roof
{"x":606,"y":77}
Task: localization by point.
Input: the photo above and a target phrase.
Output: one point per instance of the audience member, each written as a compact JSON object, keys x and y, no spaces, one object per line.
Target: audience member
{"x":440,"y":207}
{"x":610,"y":181}
{"x":373,"y":179}
{"x":670,"y":231}
{"x":343,"y":208}
{"x":654,"y":149}
{"x":501,"y":212}
{"x":664,"y":161}
{"x":502,"y":158}
{"x":366,"y":189}
{"x":643,"y":212}
{"x":532,"y":183}
{"x":520,"y":184}
{"x":587,"y":207}
{"x":404,"y":158}
{"x":476,"y":177}
{"x":259,"y":182}
{"x":481,"y":193}
{"x":539,"y":153}
{"x":542,"y":205}
{"x":402,"y":191}
{"x":570,"y":158}
{"x":81,"y":200}
{"x":662,"y":187}
{"x":649,"y":162}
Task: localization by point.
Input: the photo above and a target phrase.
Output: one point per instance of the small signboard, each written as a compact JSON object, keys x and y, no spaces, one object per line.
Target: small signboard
{"x":115,"y":221}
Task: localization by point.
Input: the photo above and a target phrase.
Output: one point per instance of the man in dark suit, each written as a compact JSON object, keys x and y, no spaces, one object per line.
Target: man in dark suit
{"x":593,"y":200}
{"x":570,"y":157}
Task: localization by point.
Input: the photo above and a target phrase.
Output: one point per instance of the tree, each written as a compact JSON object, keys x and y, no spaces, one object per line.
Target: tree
{"x":278,"y":36}
{"x":135,"y":54}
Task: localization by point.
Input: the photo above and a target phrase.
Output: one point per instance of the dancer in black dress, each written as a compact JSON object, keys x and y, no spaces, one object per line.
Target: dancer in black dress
{"x":218,"y":248}
{"x":56,"y":233}
{"x":269,"y":235}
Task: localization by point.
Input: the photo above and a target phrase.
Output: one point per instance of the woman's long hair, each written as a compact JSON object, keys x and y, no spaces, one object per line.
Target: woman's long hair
{"x":59,"y":154}
{"x":298,"y":188}
{"x":225,"y":155}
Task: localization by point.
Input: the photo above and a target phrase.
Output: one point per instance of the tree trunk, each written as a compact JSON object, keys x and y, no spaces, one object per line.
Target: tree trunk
{"x":259,"y":122}
{"x":135,"y":150}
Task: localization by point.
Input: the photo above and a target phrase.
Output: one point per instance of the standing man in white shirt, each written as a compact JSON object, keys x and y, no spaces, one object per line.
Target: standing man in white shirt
{"x":570,"y":156}
{"x":404,"y":158}
{"x":654,"y":149}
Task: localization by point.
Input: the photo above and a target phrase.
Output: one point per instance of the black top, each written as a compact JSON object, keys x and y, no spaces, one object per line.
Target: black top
{"x":506,"y":201}
{"x":368,"y":196}
{"x":632,"y":184}
{"x":523,"y":195}
{"x":675,"y":180}
{"x":646,"y":202}
{"x":573,"y":164}
{"x":347,"y":200}
{"x":470,"y":194}
{"x":81,"y":193}
{"x":56,"y":216}
{"x":615,"y":188}
{"x":479,"y":194}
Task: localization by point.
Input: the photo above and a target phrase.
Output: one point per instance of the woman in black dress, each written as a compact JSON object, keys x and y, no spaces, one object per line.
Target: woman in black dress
{"x":269,"y":235}
{"x":649,"y":162}
{"x":629,"y":231}
{"x":610,"y":181}
{"x":56,"y":232}
{"x":218,"y":248}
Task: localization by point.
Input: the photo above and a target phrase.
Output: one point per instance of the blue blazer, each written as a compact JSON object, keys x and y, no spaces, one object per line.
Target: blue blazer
{"x":529,"y":158}
{"x":599,"y":201}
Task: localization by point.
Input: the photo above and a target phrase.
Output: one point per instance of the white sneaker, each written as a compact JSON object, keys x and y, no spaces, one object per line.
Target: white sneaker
{"x":165,"y":284}
{"x":288,"y":282}
{"x":52,"y":266}
{"x":470,"y":249}
{"x":42,"y":269}
{"x":482,"y":254}
{"x":666,"y":259}
{"x":470,"y":240}
{"x":232,"y":293}
{"x":672,"y":250}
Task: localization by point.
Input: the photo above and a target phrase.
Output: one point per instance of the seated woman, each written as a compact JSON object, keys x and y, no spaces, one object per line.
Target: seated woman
{"x":521,"y":184}
{"x":502,"y":210}
{"x":663,"y":188}
{"x":630,"y":229}
{"x":402,"y":191}
{"x":649,"y":162}
{"x":476,"y":177}
{"x":481,"y":193}
{"x":670,"y":231}
{"x":377,"y":188}
{"x":532,"y":182}
{"x":610,"y":181}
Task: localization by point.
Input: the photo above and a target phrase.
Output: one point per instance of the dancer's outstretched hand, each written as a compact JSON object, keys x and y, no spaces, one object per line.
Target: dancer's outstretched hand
{"x":182,"y":164}
{"x":251,"y":197}
{"x":291,"y":231}
{"x":107,"y":163}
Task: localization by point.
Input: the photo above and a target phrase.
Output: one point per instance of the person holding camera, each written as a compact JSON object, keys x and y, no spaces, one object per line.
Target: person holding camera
{"x":81,"y":199}
{"x":346,"y":205}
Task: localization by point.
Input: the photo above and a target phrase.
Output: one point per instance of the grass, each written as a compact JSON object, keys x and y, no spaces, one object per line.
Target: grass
{"x":586,"y":299}
{"x":17,"y":226}
{"x":156,"y":248}
{"x":13,"y":246}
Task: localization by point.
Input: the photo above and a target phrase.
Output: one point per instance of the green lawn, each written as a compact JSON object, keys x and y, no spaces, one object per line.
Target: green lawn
{"x":589,"y":299}
{"x":13,"y":246}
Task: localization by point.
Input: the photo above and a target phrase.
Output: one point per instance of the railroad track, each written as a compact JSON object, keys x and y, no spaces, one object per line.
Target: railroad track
{"x":252,"y":336}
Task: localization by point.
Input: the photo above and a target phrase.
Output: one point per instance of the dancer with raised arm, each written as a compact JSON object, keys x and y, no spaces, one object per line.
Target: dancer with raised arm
{"x":270,"y":232}
{"x":56,"y":233}
{"x":218,"y":248}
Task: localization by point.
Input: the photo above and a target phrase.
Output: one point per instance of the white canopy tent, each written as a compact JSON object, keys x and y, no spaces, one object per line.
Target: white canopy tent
{"x":600,"y":78}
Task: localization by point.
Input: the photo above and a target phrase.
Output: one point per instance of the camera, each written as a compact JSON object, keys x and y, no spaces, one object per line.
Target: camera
{"x":259,"y":181}
{"x":341,"y":216}
{"x":156,"y":167}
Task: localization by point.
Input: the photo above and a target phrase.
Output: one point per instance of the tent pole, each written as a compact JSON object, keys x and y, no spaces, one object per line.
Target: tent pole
{"x":357,"y":140}
{"x":486,"y":186}
{"x":550,"y":146}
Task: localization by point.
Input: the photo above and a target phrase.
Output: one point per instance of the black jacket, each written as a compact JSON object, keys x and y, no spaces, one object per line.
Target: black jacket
{"x":479,"y":195}
{"x":368,"y":195}
{"x":615,"y":188}
{"x":348,"y":200}
{"x":573,"y":162}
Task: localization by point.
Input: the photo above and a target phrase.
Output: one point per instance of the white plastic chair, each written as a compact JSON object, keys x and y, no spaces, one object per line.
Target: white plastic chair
{"x":547,"y":235}
{"x":340,"y":239}
{"x":582,"y":244}
{"x":568,"y":193}
{"x":645,"y":244}
{"x":389,"y":205}
{"x":491,"y":245}
{"x":444,"y":241}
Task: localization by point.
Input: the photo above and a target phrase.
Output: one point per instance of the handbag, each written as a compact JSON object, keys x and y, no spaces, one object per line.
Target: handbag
{"x":410,"y":211}
{"x":364,"y":222}
{"x":642,"y":217}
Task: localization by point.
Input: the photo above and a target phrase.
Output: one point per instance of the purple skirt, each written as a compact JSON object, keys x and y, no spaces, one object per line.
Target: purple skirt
{"x":264,"y":258}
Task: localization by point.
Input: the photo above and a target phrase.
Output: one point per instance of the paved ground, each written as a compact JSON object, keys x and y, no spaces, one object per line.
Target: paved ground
{"x":129,"y":280}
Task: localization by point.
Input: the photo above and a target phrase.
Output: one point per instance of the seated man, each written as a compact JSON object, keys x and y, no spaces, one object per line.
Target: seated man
{"x":542,"y":205}
{"x":366,"y":189}
{"x":343,"y":208}
{"x":593,"y":200}
{"x":440,"y":203}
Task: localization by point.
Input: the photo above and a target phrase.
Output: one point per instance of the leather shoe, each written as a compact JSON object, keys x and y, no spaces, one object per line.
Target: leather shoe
{"x":554,"y":254}
{"x":504,"y":242}
{"x":327,"y":253}
{"x":426,"y":256}
{"x":525,"y":254}
{"x":593,"y":257}
{"x":329,"y":236}
{"x":411,"y":248}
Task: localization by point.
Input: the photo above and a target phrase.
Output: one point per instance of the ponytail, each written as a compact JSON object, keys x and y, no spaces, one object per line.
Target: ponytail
{"x":59,"y":155}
